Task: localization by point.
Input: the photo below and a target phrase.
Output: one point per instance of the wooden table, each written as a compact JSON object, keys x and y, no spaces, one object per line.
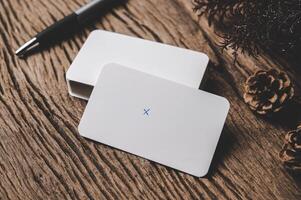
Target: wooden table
{"x":42,"y":155}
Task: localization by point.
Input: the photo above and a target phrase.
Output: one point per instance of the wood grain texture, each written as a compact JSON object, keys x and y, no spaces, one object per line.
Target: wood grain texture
{"x":42,"y":155}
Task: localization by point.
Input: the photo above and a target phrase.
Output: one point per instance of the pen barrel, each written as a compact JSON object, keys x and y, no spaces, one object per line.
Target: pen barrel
{"x":96,"y":8}
{"x":60,"y":30}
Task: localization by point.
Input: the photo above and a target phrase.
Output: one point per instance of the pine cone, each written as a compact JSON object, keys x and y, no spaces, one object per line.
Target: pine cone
{"x":267,"y":92}
{"x":291,"y":151}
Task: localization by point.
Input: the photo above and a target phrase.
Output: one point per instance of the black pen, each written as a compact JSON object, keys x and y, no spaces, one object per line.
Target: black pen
{"x":66,"y":26}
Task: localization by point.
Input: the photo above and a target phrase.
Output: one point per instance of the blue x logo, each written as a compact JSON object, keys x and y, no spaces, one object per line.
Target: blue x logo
{"x":146,"y":111}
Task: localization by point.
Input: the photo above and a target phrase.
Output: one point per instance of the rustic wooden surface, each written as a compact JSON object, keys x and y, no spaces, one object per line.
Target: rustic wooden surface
{"x":42,"y":155}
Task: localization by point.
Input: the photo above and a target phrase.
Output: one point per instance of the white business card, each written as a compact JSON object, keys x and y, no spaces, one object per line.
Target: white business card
{"x":157,"y":119}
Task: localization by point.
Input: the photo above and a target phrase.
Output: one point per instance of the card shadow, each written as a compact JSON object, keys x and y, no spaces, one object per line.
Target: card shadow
{"x":224,"y":148}
{"x":227,"y":138}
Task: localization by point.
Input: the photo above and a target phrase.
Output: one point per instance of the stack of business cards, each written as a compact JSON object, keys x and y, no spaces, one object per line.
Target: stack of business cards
{"x":150,"y":106}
